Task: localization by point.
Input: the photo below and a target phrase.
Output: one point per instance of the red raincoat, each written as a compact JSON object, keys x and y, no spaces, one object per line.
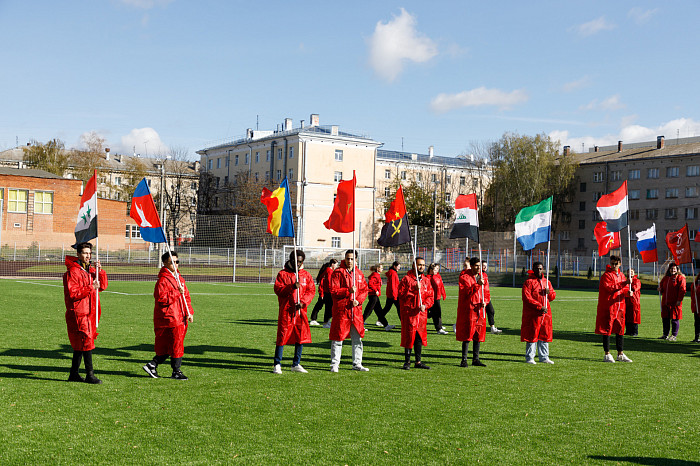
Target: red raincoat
{"x":487,"y":290}
{"x":374,"y":282}
{"x":438,"y":286}
{"x":292,"y":324}
{"x":470,"y":315}
{"x":632,"y":303}
{"x":612,"y":291}
{"x":695,"y":296}
{"x":324,"y":288}
{"x":79,"y":295}
{"x":535,"y":326}
{"x":412,"y":319}
{"x":344,"y":314}
{"x":392,"y":284}
{"x":169,"y":314}
{"x":672,"y":291}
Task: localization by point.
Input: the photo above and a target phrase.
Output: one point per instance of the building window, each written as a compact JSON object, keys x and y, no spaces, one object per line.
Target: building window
{"x":17,"y":200}
{"x":652,"y":173}
{"x":434,"y":177}
{"x":652,"y":193}
{"x":671,"y":213}
{"x":257,"y":157}
{"x":633,"y":194}
{"x":279,"y":175}
{"x":118,"y":180}
{"x":291,"y":152}
{"x":420,"y":177}
{"x":335,"y":241}
{"x":43,"y":202}
{"x":597,"y":196}
{"x":247,"y":158}
{"x":463,"y":181}
{"x":692,"y":170}
{"x":337,"y":176}
{"x":565,"y":235}
{"x":581,"y":224}
{"x":128,"y":231}
{"x":634,"y":214}
{"x":691,"y":191}
{"x":672,"y":172}
{"x":267,"y":156}
{"x":256,"y":177}
{"x":225,"y":180}
{"x":338,"y":155}
{"x":148,"y":181}
{"x":582,"y":188}
{"x":387,"y":192}
{"x":582,"y":206}
{"x":218,"y":163}
{"x":581,"y":243}
{"x":566,"y":217}
{"x":291,"y":174}
{"x":403,"y":175}
{"x":448,"y":197}
{"x":217,"y":181}
{"x":448,"y":179}
{"x":615,"y":175}
{"x":235,"y":160}
{"x":634,"y":174}
{"x":267,"y":175}
{"x":475,"y":182}
{"x":279,"y":154}
{"x":671,"y":193}
{"x":387,"y":174}
{"x":691,"y":213}
{"x":135,"y":231}
{"x":598,"y":177}
{"x":210,"y":164}
{"x":652,"y":214}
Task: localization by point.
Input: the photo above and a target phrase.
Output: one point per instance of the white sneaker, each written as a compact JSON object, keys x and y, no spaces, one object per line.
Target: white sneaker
{"x":379,"y":324}
{"x":334,"y":368}
{"x":389,"y":327}
{"x":608,"y":358}
{"x":298,"y":368}
{"x":672,"y":338}
{"x":327,"y":324}
{"x":495,"y":331}
{"x":313,"y":323}
{"x":360,"y":368}
{"x":454,"y":328}
{"x":623,"y":358}
{"x":442,"y":331}
{"x":547,"y":361}
{"x":530,"y":361}
{"x":277,"y":369}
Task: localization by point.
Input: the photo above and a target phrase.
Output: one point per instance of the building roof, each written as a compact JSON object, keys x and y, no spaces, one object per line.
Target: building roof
{"x":640,"y":151}
{"x":400,"y":156}
{"x":29,"y":172}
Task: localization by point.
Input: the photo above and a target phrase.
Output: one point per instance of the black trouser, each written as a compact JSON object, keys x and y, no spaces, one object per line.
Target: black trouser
{"x":475,"y":351}
{"x":387,"y":307}
{"x":436,"y":313}
{"x":327,"y":313}
{"x":697,"y":325}
{"x":631,"y":329}
{"x":490,"y":314}
{"x":175,"y":363}
{"x":373,"y":304}
{"x":417,"y":349}
{"x":78,"y":357}
{"x":619,"y":343}
{"x":668,"y":323}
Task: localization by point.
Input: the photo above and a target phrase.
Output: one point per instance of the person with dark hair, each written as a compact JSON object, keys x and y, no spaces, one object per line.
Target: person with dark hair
{"x":374,"y":283}
{"x":80,"y":288}
{"x":633,"y":316}
{"x":438,"y":293}
{"x":293,"y":297}
{"x":613,"y":288}
{"x":471,"y":322}
{"x":349,"y":290}
{"x":171,"y":315}
{"x":416,"y":295}
{"x":490,"y":311}
{"x":392,"y":289}
{"x":695,"y":306}
{"x":672,"y":288}
{"x":324,"y":294}
{"x":536,"y":326}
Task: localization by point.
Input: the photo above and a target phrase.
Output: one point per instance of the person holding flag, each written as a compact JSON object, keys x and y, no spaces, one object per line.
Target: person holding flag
{"x":471,"y":321}
{"x":415,"y":298}
{"x":672,"y":288}
{"x":633,"y":316}
{"x":613,"y":288}
{"x":536,"y":326}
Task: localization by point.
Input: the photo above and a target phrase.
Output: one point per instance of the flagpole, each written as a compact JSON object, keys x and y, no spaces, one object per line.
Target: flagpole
{"x":481,"y":275}
{"x":97,"y":269}
{"x":546,"y":278}
{"x":354,"y":183}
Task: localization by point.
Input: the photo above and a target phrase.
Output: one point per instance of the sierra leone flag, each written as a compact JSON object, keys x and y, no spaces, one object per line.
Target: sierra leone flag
{"x":466,"y":218}
{"x":86,"y":228}
{"x":533,"y":224}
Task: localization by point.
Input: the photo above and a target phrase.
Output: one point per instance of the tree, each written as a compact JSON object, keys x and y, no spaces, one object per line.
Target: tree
{"x":420,"y":203}
{"x":180,"y":196}
{"x":525,"y":171}
{"x":135,"y":170}
{"x":85,"y":161}
{"x":51,"y":156}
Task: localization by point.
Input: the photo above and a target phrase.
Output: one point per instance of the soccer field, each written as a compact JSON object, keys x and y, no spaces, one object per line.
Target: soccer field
{"x":233,"y":409}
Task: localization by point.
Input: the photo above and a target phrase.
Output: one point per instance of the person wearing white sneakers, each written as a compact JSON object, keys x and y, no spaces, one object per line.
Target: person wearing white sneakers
{"x":490,"y":311}
{"x":613,"y":288}
{"x":536,"y":326}
{"x":672,"y":288}
{"x":295,"y":290}
{"x":438,"y":292}
{"x":349,"y":290}
{"x":416,"y":295}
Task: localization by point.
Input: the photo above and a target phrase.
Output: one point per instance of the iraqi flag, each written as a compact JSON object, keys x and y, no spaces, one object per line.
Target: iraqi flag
{"x":613,"y":208}
{"x":143,"y":211}
{"x":86,"y":228}
{"x":646,"y":244}
{"x":466,"y":218}
{"x":678,"y":243}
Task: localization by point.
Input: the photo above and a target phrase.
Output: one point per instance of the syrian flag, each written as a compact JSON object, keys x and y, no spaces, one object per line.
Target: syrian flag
{"x":86,"y":228}
{"x":646,"y":244}
{"x":466,"y":218}
{"x":143,"y":211}
{"x":613,"y":208}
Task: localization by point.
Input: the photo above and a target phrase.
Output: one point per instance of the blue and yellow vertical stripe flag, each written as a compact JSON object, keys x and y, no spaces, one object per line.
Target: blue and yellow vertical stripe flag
{"x":279,"y":210}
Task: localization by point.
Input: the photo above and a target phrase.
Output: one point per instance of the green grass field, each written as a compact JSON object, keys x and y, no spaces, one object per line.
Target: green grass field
{"x":233,"y":409}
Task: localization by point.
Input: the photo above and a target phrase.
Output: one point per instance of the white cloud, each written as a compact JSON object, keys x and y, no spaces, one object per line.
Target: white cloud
{"x":641,"y":16}
{"x":143,"y":141}
{"x":476,"y":97}
{"x":593,"y":27}
{"x":609,"y":104}
{"x":395,"y":42}
{"x":146,"y":4}
{"x":577,"y":84}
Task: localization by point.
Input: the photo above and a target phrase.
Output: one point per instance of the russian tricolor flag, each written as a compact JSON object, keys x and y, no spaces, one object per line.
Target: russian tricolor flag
{"x":613,"y":208}
{"x":143,"y":211}
{"x":646,"y":245}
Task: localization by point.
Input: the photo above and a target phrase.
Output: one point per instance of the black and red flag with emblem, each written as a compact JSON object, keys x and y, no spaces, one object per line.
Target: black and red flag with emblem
{"x":395,"y":230}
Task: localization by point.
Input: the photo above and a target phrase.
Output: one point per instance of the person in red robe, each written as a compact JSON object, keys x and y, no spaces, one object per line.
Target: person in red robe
{"x":471,"y":319}
{"x":613,"y":288}
{"x":292,"y":323}
{"x":490,"y":311}
{"x":416,"y":297}
{"x":633,"y":315}
{"x":392,"y":289}
{"x":695,"y":307}
{"x":324,"y":294}
{"x":80,"y":288}
{"x":374,"y":283}
{"x":672,"y":288}
{"x":536,"y":325}
{"x":171,"y":315}
{"x":439,"y":293}
{"x":349,"y":291}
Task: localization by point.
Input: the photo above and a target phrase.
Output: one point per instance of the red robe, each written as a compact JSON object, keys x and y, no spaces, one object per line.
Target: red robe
{"x":535,"y":326}
{"x":487,"y":289}
{"x":610,"y":317}
{"x":324,"y":288}
{"x":632,"y":303}
{"x":170,"y":314}
{"x":392,"y":284}
{"x":695,"y":296}
{"x":438,"y":287}
{"x":412,"y":318}
{"x":374,"y":282}
{"x":672,"y":291}
{"x":470,"y":314}
{"x":292,"y":324}
{"x":344,"y":314}
{"x":79,"y":296}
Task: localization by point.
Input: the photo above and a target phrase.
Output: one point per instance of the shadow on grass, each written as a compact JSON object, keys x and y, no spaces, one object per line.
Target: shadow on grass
{"x":263,"y":322}
{"x":29,"y":371}
{"x":645,"y":460}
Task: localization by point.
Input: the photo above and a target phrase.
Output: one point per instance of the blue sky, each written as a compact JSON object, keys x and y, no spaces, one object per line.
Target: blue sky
{"x":161,"y":73}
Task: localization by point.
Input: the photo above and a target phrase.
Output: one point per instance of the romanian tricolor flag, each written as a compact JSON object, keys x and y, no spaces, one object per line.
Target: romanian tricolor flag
{"x":279,"y":210}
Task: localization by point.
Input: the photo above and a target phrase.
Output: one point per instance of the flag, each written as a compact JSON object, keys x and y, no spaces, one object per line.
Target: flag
{"x":613,"y":208}
{"x":86,"y":227}
{"x":279,"y":210}
{"x":144,"y":212}
{"x":678,"y":243}
{"x":646,"y":244}
{"x":342,"y":217}
{"x":606,"y":240}
{"x":466,"y":218}
{"x":396,"y":229}
{"x":534,"y":224}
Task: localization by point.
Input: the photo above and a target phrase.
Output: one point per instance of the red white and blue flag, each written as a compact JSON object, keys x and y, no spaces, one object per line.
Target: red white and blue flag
{"x":143,"y":211}
{"x":646,"y":244}
{"x":613,"y":208}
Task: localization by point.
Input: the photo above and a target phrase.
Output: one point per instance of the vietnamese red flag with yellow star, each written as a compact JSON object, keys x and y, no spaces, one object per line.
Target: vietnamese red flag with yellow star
{"x":396,"y":229}
{"x":342,"y":217}
{"x":607,"y":240}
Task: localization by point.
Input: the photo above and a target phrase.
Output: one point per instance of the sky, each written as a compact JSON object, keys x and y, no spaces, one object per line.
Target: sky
{"x":151,"y":75}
